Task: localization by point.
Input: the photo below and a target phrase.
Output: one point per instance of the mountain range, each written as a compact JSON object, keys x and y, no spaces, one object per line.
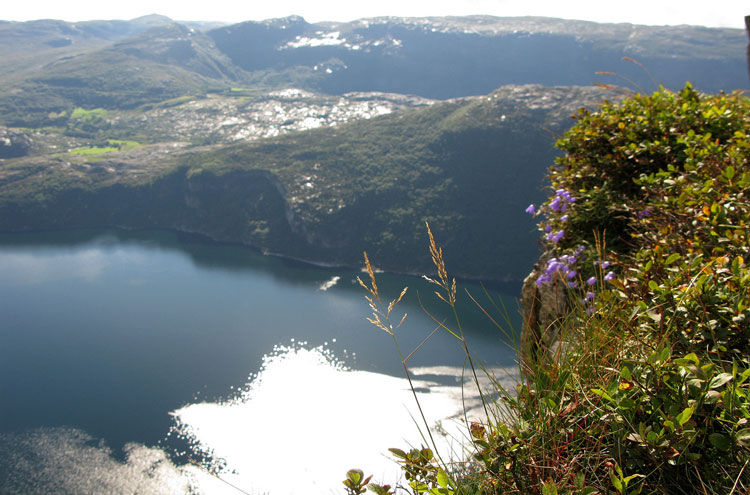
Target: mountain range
{"x":317,"y":141}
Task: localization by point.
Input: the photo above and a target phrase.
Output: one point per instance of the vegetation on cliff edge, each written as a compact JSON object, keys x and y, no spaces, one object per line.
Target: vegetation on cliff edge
{"x":647,"y":391}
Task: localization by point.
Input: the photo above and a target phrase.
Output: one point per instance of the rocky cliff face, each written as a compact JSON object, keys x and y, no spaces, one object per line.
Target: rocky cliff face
{"x":13,"y":144}
{"x":240,"y":206}
{"x":542,"y":308}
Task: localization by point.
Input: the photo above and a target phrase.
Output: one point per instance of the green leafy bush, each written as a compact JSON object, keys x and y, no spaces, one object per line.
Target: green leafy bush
{"x":663,"y":179}
{"x":647,"y":233}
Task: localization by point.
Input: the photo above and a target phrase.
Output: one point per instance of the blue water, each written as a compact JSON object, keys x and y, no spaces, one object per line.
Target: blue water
{"x":106,"y":331}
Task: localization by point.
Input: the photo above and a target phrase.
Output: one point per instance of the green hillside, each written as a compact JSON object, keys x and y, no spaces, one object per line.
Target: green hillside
{"x":164,"y":62}
{"x":468,"y":166}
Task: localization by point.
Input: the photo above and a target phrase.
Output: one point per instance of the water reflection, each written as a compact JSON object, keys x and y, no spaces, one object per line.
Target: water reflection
{"x":67,"y":461}
{"x":26,"y":269}
{"x":200,"y":250}
{"x":104,"y":333}
{"x":305,"y":420}
{"x":295,"y":428}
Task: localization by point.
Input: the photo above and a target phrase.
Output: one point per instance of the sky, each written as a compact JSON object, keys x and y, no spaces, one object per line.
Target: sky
{"x":716,"y":13}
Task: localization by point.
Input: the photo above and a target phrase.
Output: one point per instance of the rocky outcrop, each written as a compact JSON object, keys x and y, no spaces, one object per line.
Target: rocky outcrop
{"x":543,"y":306}
{"x":13,"y":144}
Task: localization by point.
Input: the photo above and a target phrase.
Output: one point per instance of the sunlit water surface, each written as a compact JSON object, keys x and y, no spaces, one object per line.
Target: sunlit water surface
{"x":144,"y":362}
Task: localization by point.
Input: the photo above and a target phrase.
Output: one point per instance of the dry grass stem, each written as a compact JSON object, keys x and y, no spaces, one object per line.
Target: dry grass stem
{"x":437,"y":259}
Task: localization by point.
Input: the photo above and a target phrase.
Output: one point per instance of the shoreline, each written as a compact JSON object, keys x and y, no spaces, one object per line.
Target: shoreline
{"x":507,"y":286}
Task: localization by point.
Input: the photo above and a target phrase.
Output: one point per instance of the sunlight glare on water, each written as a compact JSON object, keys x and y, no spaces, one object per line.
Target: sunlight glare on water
{"x":69,"y":461}
{"x":305,"y":420}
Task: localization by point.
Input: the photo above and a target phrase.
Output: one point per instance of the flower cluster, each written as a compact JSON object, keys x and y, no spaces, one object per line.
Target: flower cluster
{"x":604,"y":265}
{"x":562,"y":267}
{"x":588,"y":300}
{"x":561,"y":201}
{"x":558,"y":204}
{"x":555,"y":236}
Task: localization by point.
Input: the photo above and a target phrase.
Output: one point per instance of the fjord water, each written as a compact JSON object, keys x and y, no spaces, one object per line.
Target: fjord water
{"x":115,"y":345}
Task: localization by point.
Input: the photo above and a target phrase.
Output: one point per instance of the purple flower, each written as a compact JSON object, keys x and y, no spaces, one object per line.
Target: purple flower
{"x":552,"y":266}
{"x":609,"y":276}
{"x":644,"y":213}
{"x":590,"y":296}
{"x":542,"y":280}
{"x":556,"y":236}
{"x":531,"y":209}
{"x":547,"y":228}
{"x":591,"y":281}
{"x":572,"y":274}
{"x":565,"y":196}
{"x":590,"y":310}
{"x":568,"y":259}
{"x":564,"y":218}
{"x":573,"y":284}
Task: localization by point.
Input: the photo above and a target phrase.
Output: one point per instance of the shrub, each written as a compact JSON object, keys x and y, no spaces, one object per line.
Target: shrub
{"x":647,"y":230}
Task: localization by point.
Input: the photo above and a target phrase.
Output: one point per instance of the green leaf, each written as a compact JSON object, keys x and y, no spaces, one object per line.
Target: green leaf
{"x":692,"y":358}
{"x":549,"y":489}
{"x":672,"y":258}
{"x":625,"y":374}
{"x":666,"y":353}
{"x":632,"y":477}
{"x":712,"y":397}
{"x":720,"y":441}
{"x":615,"y":481}
{"x":442,"y":478}
{"x":719,"y":380}
{"x":698,"y":372}
{"x":743,"y":437}
{"x":398,"y":453}
{"x":355,"y":475}
{"x":419,"y":487}
{"x":579,"y":480}
{"x":653,"y":285}
{"x":602,"y":393}
{"x":684,"y":416}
